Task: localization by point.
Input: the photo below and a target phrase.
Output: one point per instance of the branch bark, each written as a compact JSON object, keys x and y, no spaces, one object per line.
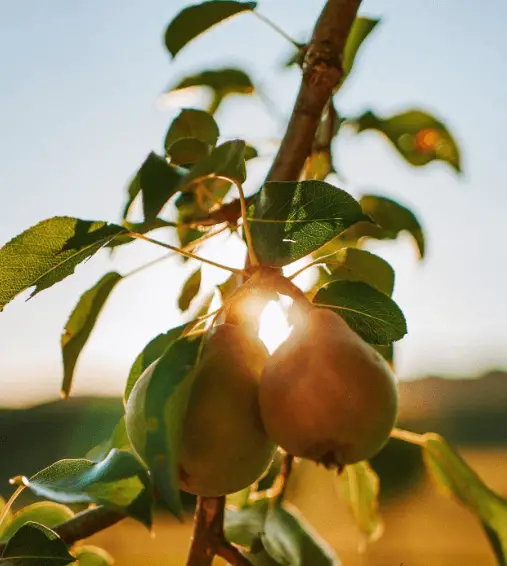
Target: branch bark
{"x":322,"y":72}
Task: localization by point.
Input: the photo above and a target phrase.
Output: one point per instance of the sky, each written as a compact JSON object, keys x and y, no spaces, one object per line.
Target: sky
{"x":81,"y":106}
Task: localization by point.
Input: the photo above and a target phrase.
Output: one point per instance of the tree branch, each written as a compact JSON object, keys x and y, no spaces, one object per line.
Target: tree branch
{"x":322,"y":72}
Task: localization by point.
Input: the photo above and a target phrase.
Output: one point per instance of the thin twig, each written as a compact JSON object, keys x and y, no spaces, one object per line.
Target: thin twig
{"x":246,"y":227}
{"x":184,"y":253}
{"x":189,"y":247}
{"x":278,"y":29}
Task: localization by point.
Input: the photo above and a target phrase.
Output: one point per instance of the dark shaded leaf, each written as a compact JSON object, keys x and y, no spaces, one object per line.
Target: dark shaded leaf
{"x":226,"y":160}
{"x":118,"y":481}
{"x":49,"y":252}
{"x":370,"y":313}
{"x":190,"y":290}
{"x":81,"y":323}
{"x":88,"y":555}
{"x":35,"y":545}
{"x":198,"y":18}
{"x":392,"y":218}
{"x":157,"y":181}
{"x":187,"y":151}
{"x":290,"y":541}
{"x":289,"y":220}
{"x":360,"y":486}
{"x":419,"y":137}
{"x":151,"y":352}
{"x":353,"y":264}
{"x":195,"y":124}
{"x":44,"y":513}
{"x":459,"y":481}
{"x":245,"y":526}
{"x":166,"y":402}
{"x":361,"y":29}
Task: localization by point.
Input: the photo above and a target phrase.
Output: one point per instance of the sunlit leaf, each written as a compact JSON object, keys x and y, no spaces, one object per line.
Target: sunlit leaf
{"x":419,"y":137}
{"x":35,"y":545}
{"x":49,"y":252}
{"x":198,"y":18}
{"x":194,"y":124}
{"x":89,"y":555}
{"x":226,"y":160}
{"x":118,"y":481}
{"x":166,"y":402}
{"x":459,"y":481}
{"x":289,"y":540}
{"x":361,"y":29}
{"x":190,"y":290}
{"x":81,"y":323}
{"x":157,"y":181}
{"x":353,"y":264}
{"x":245,"y":526}
{"x":360,"y":487}
{"x":370,"y":313}
{"x":151,"y":352}
{"x":44,"y":513}
{"x":289,"y":220}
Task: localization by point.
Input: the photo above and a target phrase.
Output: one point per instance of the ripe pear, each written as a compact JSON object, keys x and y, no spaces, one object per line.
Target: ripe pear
{"x":327,"y":395}
{"x":224,"y":447}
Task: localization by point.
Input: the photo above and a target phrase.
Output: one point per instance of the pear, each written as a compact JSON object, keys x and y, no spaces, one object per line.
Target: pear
{"x":327,"y":395}
{"x":224,"y":447}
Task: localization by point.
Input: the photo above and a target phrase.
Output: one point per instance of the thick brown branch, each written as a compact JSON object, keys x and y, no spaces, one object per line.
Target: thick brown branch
{"x":322,"y":72}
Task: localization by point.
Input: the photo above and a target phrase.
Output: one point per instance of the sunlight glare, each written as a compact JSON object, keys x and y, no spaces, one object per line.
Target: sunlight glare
{"x":274,"y":327}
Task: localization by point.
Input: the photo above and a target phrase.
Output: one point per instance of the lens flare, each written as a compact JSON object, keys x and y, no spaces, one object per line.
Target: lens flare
{"x":274,"y":327}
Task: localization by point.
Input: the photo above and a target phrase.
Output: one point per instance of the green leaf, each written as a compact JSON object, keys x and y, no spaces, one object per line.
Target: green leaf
{"x":89,"y":555}
{"x":6,"y":521}
{"x":289,"y":220}
{"x":370,"y":313}
{"x":119,"y":481}
{"x":118,"y":439}
{"x":35,"y":545}
{"x":195,"y":124}
{"x":245,"y":526}
{"x":226,"y":160}
{"x":49,"y":252}
{"x":353,"y":264}
{"x":360,"y":486}
{"x":459,"y":481}
{"x":392,"y":218}
{"x":190,"y":290}
{"x":361,"y":29}
{"x":166,"y":402}
{"x":187,"y":151}
{"x":44,"y":513}
{"x":151,"y":352}
{"x":198,"y":18}
{"x":157,"y":181}
{"x":222,"y":83}
{"x":81,"y":323}
{"x":288,"y":540}
{"x":419,"y":137}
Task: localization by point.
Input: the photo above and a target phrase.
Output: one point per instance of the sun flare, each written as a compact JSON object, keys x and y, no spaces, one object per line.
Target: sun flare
{"x":274,"y":327}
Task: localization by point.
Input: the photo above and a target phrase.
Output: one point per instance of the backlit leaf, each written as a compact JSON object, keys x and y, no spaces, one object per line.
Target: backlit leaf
{"x":361,"y":29}
{"x":190,"y":290}
{"x":289,"y":220}
{"x":195,"y":124}
{"x":81,"y":324}
{"x":198,"y":18}
{"x":49,"y":252}
{"x":370,"y":313}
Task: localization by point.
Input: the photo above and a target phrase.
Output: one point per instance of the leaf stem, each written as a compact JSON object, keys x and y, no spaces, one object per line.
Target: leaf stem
{"x":246,"y":227}
{"x":186,"y":254}
{"x":189,"y":247}
{"x":14,"y":496}
{"x":278,"y":29}
{"x":311,"y":264}
{"x":407,"y":436}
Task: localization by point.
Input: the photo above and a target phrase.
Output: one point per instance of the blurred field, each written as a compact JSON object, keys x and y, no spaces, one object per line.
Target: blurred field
{"x":422,"y":527}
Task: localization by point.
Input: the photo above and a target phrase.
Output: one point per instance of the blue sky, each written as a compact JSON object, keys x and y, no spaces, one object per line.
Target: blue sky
{"x":80,"y":108}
